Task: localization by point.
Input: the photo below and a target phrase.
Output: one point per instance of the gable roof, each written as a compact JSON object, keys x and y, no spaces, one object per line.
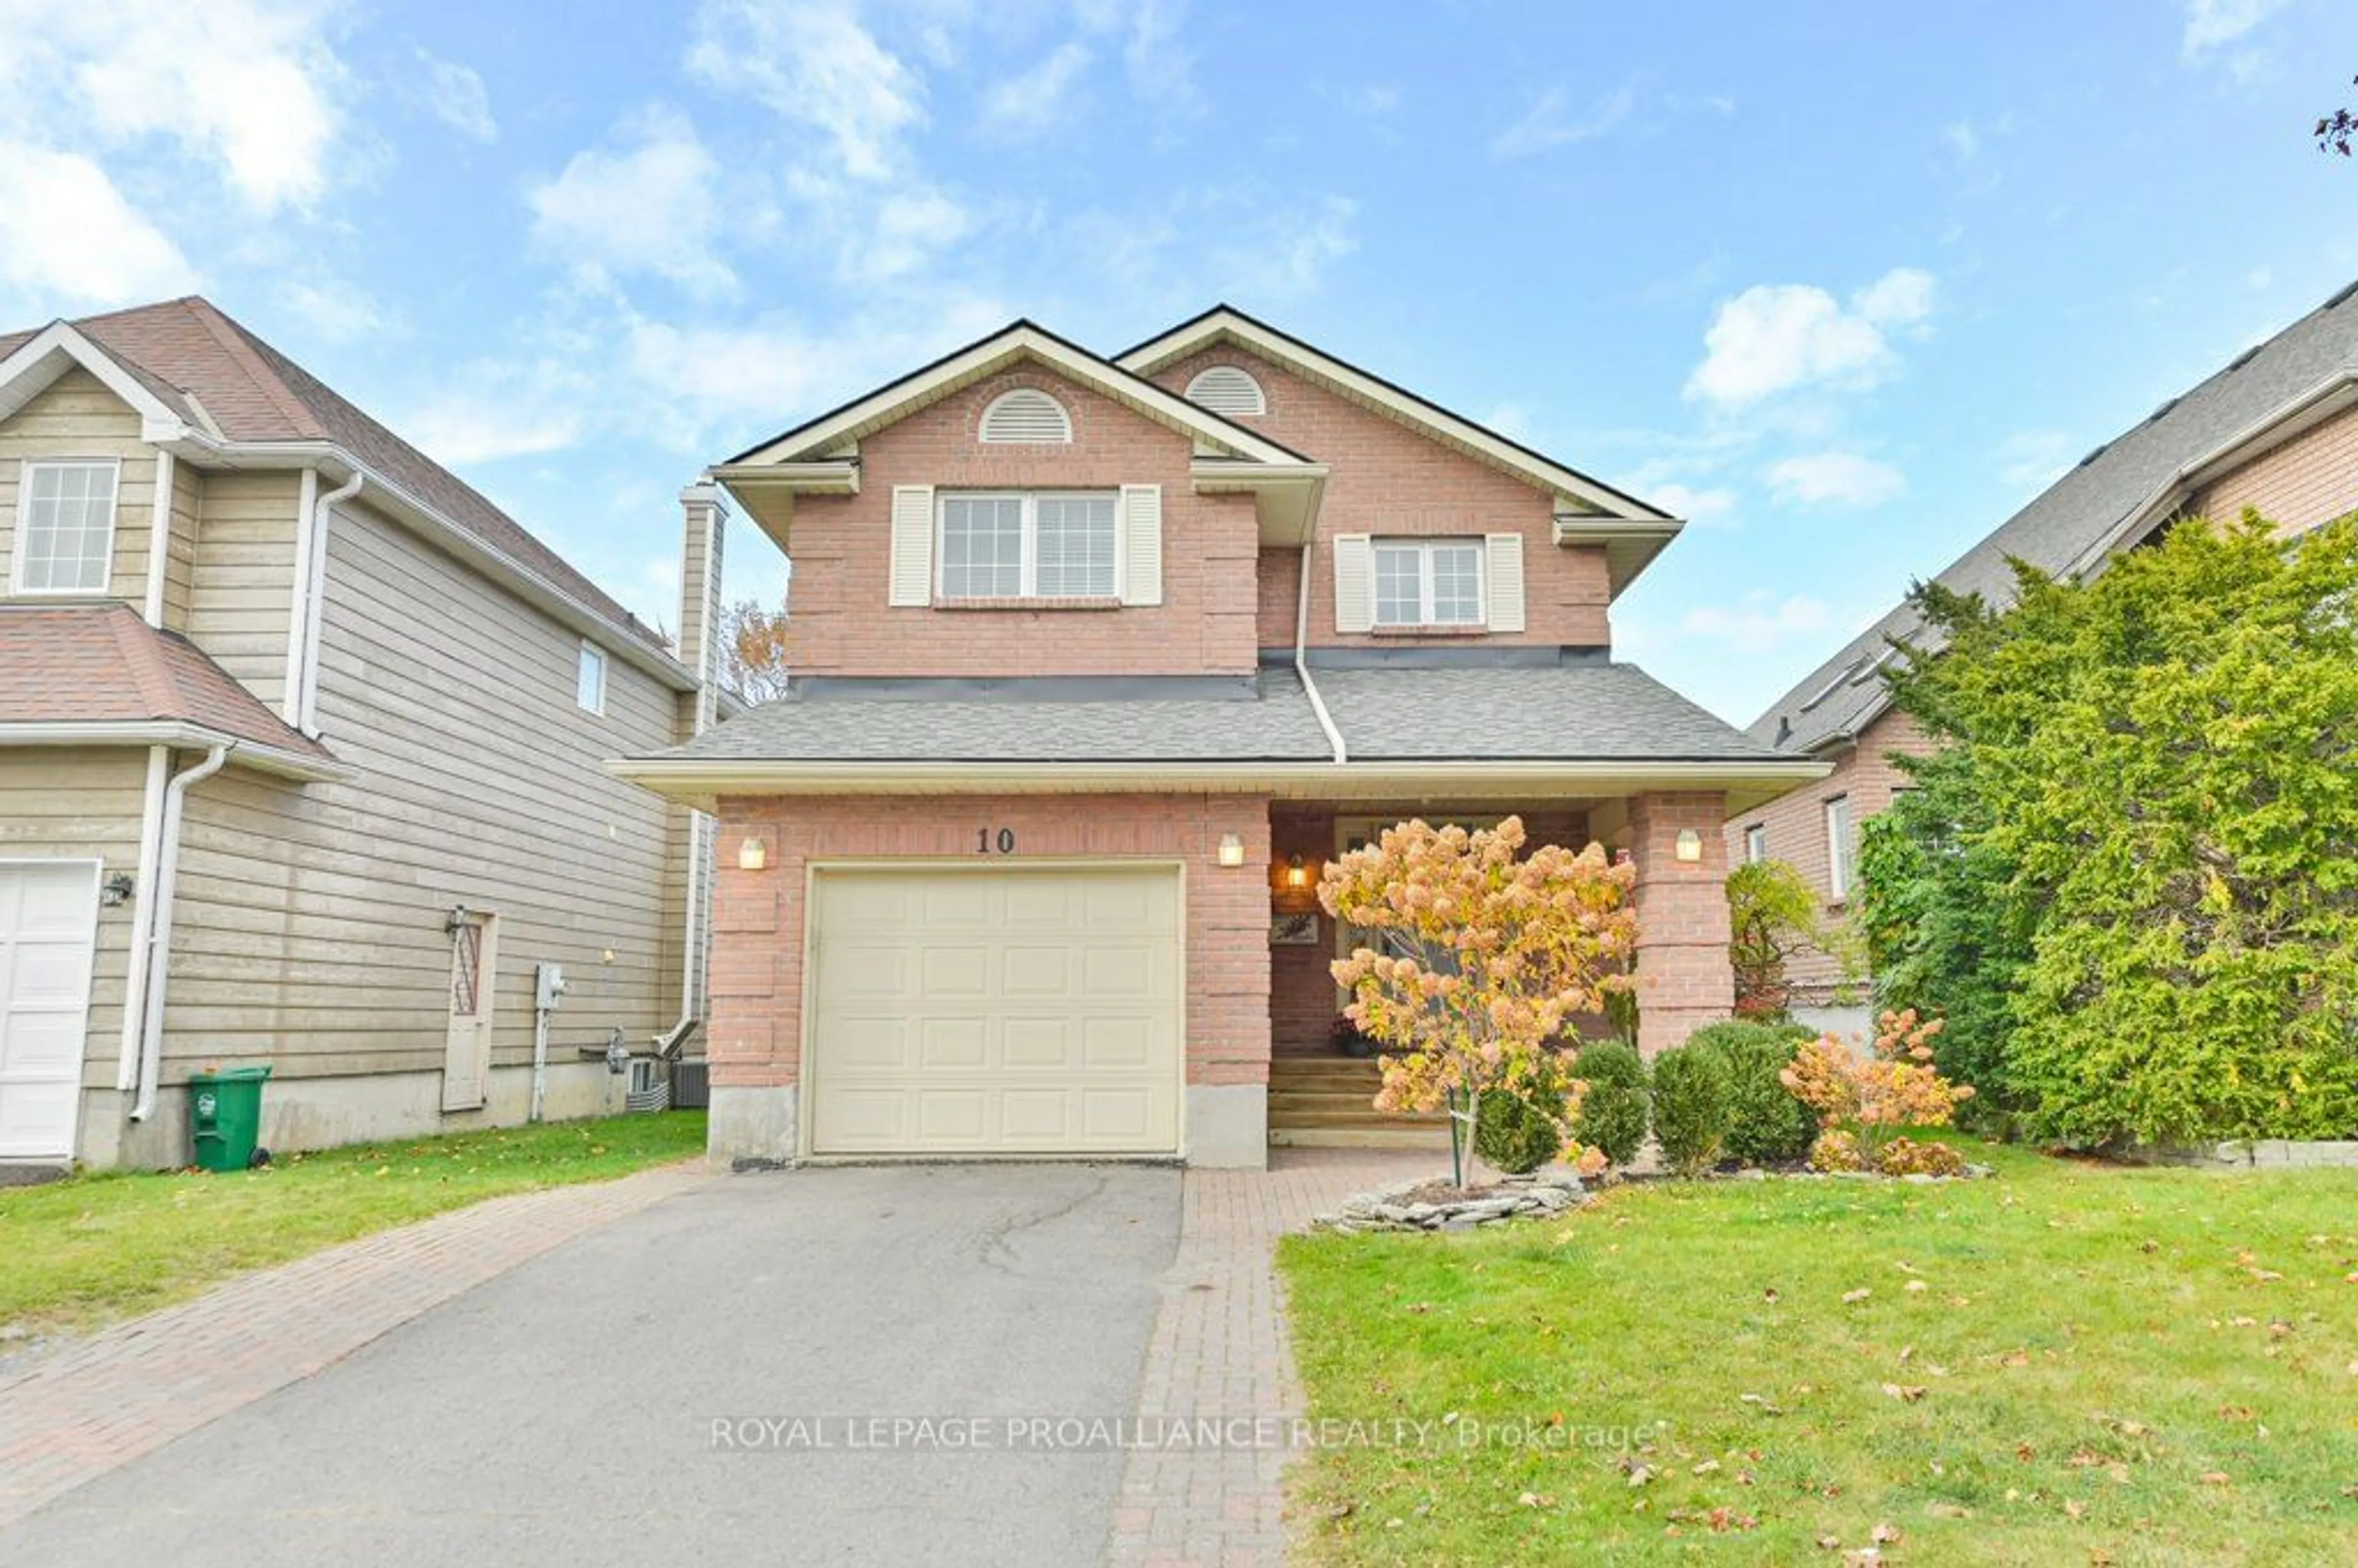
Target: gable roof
{"x":206,"y":369}
{"x":97,"y":670}
{"x":2115,"y":496}
{"x":986,"y":356}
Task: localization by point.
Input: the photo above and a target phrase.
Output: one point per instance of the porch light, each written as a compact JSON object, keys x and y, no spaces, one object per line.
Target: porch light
{"x":1297,"y":875}
{"x":1232,"y":850}
{"x":117,"y":891}
{"x":752,"y":854}
{"x":1689,"y":845}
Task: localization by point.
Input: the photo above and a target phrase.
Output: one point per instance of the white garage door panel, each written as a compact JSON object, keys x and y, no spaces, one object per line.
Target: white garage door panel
{"x":995,"y":1011}
{"x":48,"y":920}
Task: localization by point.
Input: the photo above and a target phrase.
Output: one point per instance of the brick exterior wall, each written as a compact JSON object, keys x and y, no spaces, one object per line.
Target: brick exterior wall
{"x":842,"y":553}
{"x":1796,"y":823}
{"x":2309,"y":480}
{"x":757,"y":920}
{"x":1683,"y":978}
{"x":1388,"y":479}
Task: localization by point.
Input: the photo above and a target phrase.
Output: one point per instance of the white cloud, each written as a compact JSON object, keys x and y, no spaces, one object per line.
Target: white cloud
{"x":2030,"y":461}
{"x":1777,"y":336}
{"x":67,"y":235}
{"x":1835,"y":479}
{"x":251,"y":88}
{"x":1038,"y":100}
{"x":340,"y":312}
{"x":1703,"y":506}
{"x":2215,"y":24}
{"x":1760,"y":621}
{"x":908,"y":230}
{"x":475,"y":427}
{"x":1552,"y":122}
{"x":647,"y":208}
{"x":458,"y":98}
{"x":812,"y":62}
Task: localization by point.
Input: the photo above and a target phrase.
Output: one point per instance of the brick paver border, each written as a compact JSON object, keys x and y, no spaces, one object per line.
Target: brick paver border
{"x":1220,"y":1354}
{"x":74,"y":1413}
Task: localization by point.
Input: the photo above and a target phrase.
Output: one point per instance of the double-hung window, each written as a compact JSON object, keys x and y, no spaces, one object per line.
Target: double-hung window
{"x":65,"y":526}
{"x":1756,"y":843}
{"x":1028,"y":545}
{"x":1838,"y":848}
{"x":1428,"y":582}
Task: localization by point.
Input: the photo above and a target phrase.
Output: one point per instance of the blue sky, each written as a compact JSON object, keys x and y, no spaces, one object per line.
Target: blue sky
{"x":1846,"y":284}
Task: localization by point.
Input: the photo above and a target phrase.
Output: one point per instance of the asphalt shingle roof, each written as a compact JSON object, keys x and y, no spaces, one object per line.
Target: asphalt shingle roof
{"x":185,"y":349}
{"x":1603,"y":712}
{"x":2078,"y":511}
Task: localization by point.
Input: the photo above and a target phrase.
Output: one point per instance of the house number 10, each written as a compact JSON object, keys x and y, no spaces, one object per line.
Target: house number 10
{"x":985,"y":841}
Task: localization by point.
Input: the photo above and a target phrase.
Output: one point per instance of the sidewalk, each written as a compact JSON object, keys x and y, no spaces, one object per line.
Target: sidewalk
{"x":85,"y":1407}
{"x":1221,"y":1353}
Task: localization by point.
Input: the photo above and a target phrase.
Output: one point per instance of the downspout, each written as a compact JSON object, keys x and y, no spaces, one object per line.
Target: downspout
{"x":143,"y":918}
{"x":692,"y":935}
{"x":159,"y":537}
{"x":1302,"y":662}
{"x":159,"y":933}
{"x":310,"y":575}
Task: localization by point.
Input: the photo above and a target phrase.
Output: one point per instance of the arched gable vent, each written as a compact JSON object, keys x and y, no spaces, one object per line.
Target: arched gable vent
{"x":1225,"y":389}
{"x":1026,"y":416}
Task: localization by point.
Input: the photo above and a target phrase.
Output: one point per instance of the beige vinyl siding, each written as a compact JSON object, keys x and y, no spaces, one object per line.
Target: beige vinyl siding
{"x":242,"y":588}
{"x":82,"y":803}
{"x":76,"y":417}
{"x":311,"y":916}
{"x":181,"y":552}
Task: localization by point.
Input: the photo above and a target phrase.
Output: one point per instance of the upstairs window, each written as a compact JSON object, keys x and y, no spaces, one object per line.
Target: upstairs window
{"x":1043,"y":544}
{"x":1428,"y":582}
{"x":1838,"y":848}
{"x":1026,"y":416}
{"x":65,"y":526}
{"x":589,"y":679}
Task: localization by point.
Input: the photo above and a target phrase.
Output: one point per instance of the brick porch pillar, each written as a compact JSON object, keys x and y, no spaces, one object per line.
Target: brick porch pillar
{"x":1684,"y":979}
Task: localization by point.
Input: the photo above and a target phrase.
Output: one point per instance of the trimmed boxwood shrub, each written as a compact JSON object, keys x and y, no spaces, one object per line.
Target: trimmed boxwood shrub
{"x":1766,"y":1125}
{"x":1522,"y":1129}
{"x":1612,"y":1114}
{"x":1691,"y":1097}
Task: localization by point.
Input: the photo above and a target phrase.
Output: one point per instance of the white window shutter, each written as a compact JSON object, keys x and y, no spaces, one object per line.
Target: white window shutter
{"x":1141,"y":543}
{"x":913,"y":545}
{"x":1503,"y":553}
{"x":1355,"y":583}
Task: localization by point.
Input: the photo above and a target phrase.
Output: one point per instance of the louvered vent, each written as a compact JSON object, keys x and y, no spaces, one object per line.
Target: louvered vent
{"x":1225,"y":389}
{"x":1028,"y":417}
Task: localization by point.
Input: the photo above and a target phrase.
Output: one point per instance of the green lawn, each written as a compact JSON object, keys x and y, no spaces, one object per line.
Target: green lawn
{"x":91,"y":1249}
{"x":2066,"y":1364}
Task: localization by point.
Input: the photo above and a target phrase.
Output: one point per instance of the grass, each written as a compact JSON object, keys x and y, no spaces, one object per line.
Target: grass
{"x":2066,"y":1364}
{"x":95,"y":1247}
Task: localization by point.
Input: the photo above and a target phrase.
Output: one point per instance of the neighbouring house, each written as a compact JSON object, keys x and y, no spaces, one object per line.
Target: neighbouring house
{"x":1096,"y":662}
{"x":2275,"y":430}
{"x":302,"y":762}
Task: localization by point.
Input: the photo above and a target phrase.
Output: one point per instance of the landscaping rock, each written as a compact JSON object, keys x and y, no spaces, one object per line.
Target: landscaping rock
{"x":1536,"y":1195}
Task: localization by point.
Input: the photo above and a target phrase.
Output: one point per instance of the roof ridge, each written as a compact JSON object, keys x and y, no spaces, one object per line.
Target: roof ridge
{"x":134,"y":640}
{"x":240,"y":344}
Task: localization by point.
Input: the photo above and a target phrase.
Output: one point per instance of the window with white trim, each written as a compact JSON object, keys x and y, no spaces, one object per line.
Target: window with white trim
{"x":1029,"y":544}
{"x":589,"y":679}
{"x":1838,"y":848}
{"x":65,"y":525}
{"x":1428,"y":582}
{"x":1755,"y":844}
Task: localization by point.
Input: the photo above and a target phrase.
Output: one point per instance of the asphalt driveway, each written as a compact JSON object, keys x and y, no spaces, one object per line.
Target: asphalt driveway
{"x":716,"y":1379}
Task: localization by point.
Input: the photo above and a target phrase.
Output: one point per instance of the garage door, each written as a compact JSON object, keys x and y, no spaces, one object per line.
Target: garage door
{"x":48,"y":916}
{"x":995,"y":1011}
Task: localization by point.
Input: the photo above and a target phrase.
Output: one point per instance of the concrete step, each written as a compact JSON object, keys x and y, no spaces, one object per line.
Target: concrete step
{"x":1360,"y":1138}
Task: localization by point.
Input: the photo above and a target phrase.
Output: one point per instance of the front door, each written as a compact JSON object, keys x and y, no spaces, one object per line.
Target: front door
{"x":467,"y":1054}
{"x":49,"y":928}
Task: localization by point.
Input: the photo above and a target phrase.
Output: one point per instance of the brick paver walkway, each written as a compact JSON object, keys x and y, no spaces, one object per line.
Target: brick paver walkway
{"x":1220,"y":1355}
{"x":72,"y":1414}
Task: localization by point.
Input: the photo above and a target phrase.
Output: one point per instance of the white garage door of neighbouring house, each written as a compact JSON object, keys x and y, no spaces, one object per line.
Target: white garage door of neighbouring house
{"x":1031,"y":1011}
{"x":48,"y":923}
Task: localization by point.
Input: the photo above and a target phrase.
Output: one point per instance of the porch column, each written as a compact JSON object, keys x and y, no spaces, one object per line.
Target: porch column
{"x":1684,"y":979}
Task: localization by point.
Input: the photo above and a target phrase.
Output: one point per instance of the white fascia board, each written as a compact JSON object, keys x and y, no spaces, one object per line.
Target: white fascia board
{"x":984,"y":358}
{"x":405,"y":508}
{"x":178,"y":733}
{"x":1287,"y":495}
{"x":43,"y":357}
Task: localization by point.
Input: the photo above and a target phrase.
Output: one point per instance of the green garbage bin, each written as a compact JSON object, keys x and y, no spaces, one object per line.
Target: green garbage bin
{"x":225,"y":1116}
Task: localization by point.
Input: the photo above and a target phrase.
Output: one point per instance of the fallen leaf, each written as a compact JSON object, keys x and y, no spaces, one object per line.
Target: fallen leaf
{"x":1830,"y":1543}
{"x":1886,"y":1535}
{"x":1906,"y":1393}
{"x":1707,"y":1467}
{"x":2024,"y":1451}
{"x":1769,"y":1295}
{"x":2214,"y":1477}
{"x":1852,"y":1298}
{"x":1948,"y":1510}
{"x":2075,"y":1508}
{"x":1533,"y":1500}
{"x":1918,"y":1285}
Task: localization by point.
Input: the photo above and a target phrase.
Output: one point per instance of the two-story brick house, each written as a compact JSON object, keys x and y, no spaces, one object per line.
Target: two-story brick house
{"x":302,"y":748}
{"x":2275,"y":430}
{"x":1097,"y":661}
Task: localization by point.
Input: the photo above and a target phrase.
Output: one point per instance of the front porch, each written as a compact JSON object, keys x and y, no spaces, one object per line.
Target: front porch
{"x":1320,"y":1097}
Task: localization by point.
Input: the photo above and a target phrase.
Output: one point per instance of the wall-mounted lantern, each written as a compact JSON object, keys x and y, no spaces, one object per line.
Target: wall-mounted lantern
{"x":1689,"y":845}
{"x":117,"y":891}
{"x":1232,"y":850}
{"x":455,"y":919}
{"x":752,"y":853}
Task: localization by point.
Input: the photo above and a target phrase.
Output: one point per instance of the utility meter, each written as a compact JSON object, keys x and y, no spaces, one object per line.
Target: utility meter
{"x":547,"y":986}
